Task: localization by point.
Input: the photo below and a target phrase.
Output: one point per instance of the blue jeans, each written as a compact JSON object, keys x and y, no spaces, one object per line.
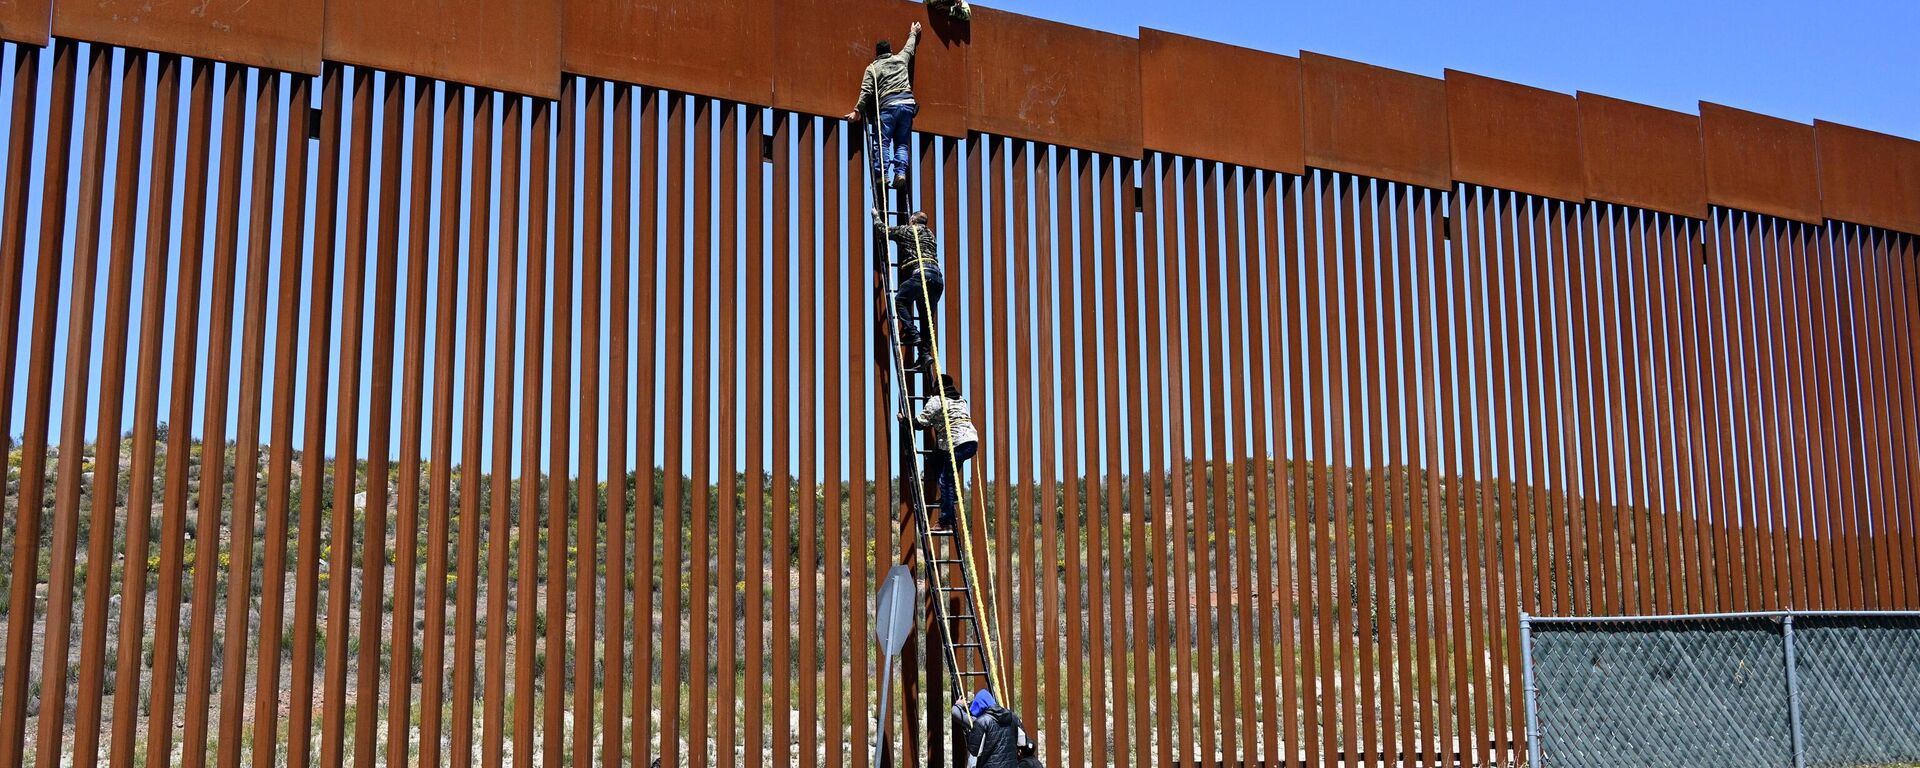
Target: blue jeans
{"x":896,"y":137}
{"x":941,"y":482}
{"x":920,"y":288}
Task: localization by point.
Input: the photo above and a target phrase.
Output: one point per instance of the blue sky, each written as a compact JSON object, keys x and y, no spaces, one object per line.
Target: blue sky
{"x":1840,"y":61}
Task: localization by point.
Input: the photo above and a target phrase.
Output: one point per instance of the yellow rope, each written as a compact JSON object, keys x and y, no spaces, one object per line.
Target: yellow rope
{"x":990,"y":649}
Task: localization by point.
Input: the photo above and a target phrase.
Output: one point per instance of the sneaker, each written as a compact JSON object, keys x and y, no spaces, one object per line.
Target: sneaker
{"x":899,"y":181}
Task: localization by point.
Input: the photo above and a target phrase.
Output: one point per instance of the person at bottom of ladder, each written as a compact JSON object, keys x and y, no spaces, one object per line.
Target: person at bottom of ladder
{"x":994,"y":736}
{"x":886,"y":92}
{"x":917,"y":301}
{"x":955,"y":441}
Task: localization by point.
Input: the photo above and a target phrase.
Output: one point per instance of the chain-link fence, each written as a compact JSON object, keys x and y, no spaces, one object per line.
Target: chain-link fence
{"x":1752,"y":689}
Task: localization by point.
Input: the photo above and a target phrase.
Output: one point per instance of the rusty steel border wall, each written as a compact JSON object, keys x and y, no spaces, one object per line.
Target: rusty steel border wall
{"x":1300,"y":380}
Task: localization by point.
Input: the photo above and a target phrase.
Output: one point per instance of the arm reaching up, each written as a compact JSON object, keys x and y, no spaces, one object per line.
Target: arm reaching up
{"x":913,"y":43}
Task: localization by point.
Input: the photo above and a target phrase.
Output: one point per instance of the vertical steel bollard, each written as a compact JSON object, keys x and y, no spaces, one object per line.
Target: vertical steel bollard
{"x":1793,"y":692}
{"x":1533,"y":705}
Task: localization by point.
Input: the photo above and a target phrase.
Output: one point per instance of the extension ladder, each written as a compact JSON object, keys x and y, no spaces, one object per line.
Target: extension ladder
{"x":947,"y":564}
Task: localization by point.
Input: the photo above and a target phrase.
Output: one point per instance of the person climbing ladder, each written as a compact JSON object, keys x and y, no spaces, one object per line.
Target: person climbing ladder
{"x":886,"y":93}
{"x":917,"y":303}
{"x":955,"y":441}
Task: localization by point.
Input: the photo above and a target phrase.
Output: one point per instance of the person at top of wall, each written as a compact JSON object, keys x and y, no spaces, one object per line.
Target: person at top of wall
{"x":958,"y":9}
{"x":886,"y":93}
{"x":921,"y":283}
{"x":955,"y":441}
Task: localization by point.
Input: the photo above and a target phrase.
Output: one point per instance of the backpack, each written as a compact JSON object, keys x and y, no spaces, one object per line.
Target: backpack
{"x":1029,"y":751}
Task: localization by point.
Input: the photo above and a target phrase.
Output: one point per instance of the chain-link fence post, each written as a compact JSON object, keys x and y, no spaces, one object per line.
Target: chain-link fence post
{"x":1793,"y":692}
{"x":1533,"y":706}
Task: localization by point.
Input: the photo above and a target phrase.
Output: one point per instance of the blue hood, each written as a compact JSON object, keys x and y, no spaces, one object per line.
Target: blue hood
{"x":982,"y":702}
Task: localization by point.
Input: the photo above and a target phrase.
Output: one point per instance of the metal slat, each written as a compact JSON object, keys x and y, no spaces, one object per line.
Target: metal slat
{"x":107,"y":441}
{"x":1520,"y":518}
{"x":559,"y":460}
{"x":613,"y":745}
{"x":1744,"y":252}
{"x":1007,"y":174}
{"x":1046,"y":422}
{"x":1456,"y":706}
{"x":1810,"y":257}
{"x":672,"y":464}
{"x":1132,"y":272}
{"x":1694,"y":555}
{"x":832,"y":414}
{"x":779,"y":337}
{"x":1398,"y":342}
{"x":1870,"y":341}
{"x":1116,"y":509}
{"x":13,"y":259}
{"x":1428,"y":578}
{"x":1382,"y":742}
{"x":1283,"y":317}
{"x":1509,"y":714}
{"x":472,"y":470}
{"x":1219,"y":251}
{"x":1191,"y":396}
{"x":1554,"y":331}
{"x":1002,"y":421}
{"x":1375,"y":695}
{"x":64,"y":545}
{"x":1898,"y":256}
{"x":1536,"y":271}
{"x":1771,"y":300}
{"x":237,"y":627}
{"x":373,"y":555}
{"x":586,"y":482}
{"x":647,"y":294}
{"x":279,"y":528}
{"x":1070,"y":286}
{"x":1856,"y":563}
{"x":13,"y":216}
{"x":588,"y":398}
{"x":1628,"y":326}
{"x":1410,"y":525}
{"x":1319,"y":365}
{"x":500,"y":504}
{"x":1304,"y":288}
{"x":413,"y":372}
{"x":186,"y":364}
{"x":1346,"y":553}
{"x":409,"y":429}
{"x":1485,"y":565}
{"x":807,"y":286}
{"x":533,"y":346}
{"x":727,"y":424}
{"x":700,"y":423}
{"x":756,"y":357}
{"x":1728,"y":537}
{"x":1902,"y":294}
{"x":1659,"y":489}
{"x":1089,"y":346}
{"x":312,"y":455}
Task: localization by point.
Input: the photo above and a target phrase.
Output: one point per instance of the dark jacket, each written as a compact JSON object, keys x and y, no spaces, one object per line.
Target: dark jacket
{"x":995,"y":740}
